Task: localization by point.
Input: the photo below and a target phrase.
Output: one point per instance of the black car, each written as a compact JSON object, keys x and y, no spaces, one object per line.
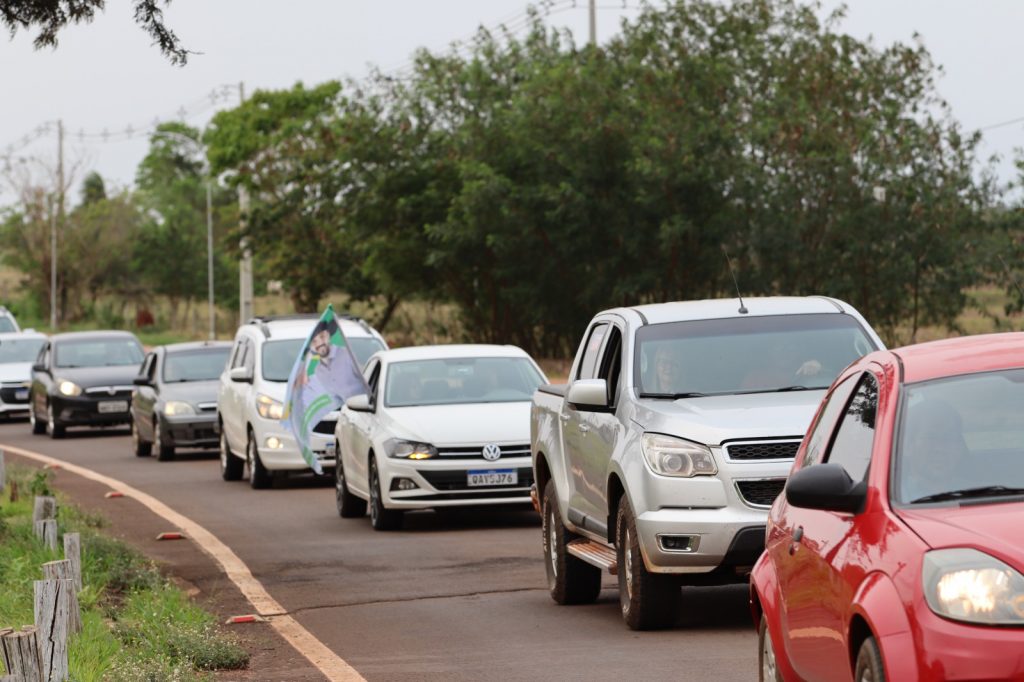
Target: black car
{"x":83,"y":379}
{"x":175,"y":400}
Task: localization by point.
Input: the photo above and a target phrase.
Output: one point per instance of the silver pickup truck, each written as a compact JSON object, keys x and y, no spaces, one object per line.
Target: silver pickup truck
{"x":659,"y":459}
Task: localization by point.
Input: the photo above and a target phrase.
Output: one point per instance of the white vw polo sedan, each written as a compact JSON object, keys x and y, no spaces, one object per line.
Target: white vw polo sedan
{"x":442,"y":426}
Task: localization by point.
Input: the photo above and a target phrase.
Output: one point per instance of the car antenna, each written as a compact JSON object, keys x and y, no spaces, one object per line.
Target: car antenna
{"x":728,"y":261}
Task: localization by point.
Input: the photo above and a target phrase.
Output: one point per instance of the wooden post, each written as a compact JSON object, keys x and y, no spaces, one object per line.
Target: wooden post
{"x":21,"y":655}
{"x":63,"y":570}
{"x":73,"y":553}
{"x":14,"y":491}
{"x":52,"y":619}
{"x":45,"y":508}
{"x":47,"y":532}
{"x":3,"y":472}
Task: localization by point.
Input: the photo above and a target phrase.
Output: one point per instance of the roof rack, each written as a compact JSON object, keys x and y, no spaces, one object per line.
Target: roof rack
{"x":263,"y":320}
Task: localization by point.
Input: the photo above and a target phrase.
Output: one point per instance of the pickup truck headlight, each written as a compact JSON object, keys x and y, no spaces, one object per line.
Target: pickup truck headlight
{"x":174,"y":408}
{"x":69,"y":388}
{"x":268,"y":408}
{"x":974,"y":587}
{"x":408,"y":449}
{"x":671,"y":456}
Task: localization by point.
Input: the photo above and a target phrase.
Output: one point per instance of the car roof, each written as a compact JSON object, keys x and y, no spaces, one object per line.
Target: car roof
{"x":22,"y":335}
{"x":196,"y":345}
{"x":717,"y":308}
{"x":98,"y":335}
{"x":298,"y":327}
{"x":454,"y":350}
{"x":961,"y":355}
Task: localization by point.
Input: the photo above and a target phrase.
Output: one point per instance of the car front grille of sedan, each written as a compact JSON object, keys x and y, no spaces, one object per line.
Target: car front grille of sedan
{"x":477,"y":451}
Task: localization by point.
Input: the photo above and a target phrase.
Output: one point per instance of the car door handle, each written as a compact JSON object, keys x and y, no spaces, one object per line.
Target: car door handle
{"x":584,"y":428}
{"x":798,"y":535}
{"x":564,"y":417}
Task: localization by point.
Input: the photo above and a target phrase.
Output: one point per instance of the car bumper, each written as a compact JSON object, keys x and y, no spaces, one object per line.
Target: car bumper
{"x":445,"y":483}
{"x":286,"y":456}
{"x":191,"y":431}
{"x":951,"y":650}
{"x":85,"y":411}
{"x":727,"y":541}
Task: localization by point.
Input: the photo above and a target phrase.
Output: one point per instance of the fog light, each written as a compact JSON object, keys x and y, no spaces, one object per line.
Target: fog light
{"x":403,"y":484}
{"x":679,"y":543}
{"x":273,"y":443}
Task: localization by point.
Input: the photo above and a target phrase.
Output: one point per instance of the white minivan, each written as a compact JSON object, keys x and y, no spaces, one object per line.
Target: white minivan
{"x":250,"y":400}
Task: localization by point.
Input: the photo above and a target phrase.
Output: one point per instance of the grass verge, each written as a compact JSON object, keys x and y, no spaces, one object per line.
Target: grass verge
{"x":137,"y":626}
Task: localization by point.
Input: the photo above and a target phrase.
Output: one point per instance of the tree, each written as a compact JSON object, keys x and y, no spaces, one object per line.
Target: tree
{"x":50,"y":17}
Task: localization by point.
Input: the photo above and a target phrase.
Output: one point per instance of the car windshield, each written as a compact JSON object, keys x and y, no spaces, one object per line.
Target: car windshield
{"x":460,"y":380}
{"x":7,"y":324}
{"x":961,"y":435}
{"x":363,"y":347}
{"x":19,"y":350}
{"x":97,"y":353}
{"x":279,"y":357}
{"x":204,"y":364}
{"x":746,"y":354}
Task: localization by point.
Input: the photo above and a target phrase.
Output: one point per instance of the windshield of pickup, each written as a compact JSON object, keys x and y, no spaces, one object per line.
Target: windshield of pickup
{"x":453,"y":381}
{"x":746,"y":354}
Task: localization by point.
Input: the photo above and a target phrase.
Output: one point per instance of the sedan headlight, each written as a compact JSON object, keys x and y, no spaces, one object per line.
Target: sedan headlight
{"x":408,"y":449}
{"x":974,"y":587}
{"x":268,"y":408}
{"x":174,"y":408}
{"x":69,"y":388}
{"x":671,"y":456}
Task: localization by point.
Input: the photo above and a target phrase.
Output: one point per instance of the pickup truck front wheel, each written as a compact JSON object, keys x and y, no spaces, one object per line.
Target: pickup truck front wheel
{"x":649,"y":601}
{"x":570,"y":580}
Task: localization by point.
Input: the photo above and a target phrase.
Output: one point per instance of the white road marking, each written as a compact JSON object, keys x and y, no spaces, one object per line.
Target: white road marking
{"x":329,"y":663}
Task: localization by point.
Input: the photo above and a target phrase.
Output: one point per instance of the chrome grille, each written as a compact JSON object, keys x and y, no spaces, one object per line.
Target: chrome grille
{"x":761,"y":450}
{"x":474,"y":451}
{"x":207,"y":407}
{"x":108,"y":390}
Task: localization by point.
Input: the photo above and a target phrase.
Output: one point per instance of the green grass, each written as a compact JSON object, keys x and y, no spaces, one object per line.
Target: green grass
{"x":136,"y":624}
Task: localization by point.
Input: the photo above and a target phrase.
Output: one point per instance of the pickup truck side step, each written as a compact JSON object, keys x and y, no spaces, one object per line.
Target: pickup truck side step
{"x":594,"y":554}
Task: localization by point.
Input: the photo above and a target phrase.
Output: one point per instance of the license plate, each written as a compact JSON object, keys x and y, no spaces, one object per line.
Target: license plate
{"x":21,"y":395}
{"x":110,"y":406}
{"x":329,"y":450}
{"x":489,"y":477}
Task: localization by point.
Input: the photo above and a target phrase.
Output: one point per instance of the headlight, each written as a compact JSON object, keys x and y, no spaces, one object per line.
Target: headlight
{"x":69,"y":388}
{"x":670,"y":456}
{"x":407,"y":449}
{"x":268,"y":408}
{"x":176,"y":407}
{"x":974,"y":587}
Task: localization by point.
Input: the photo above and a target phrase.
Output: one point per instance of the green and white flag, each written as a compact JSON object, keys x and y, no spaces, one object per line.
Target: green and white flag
{"x":325,"y":375}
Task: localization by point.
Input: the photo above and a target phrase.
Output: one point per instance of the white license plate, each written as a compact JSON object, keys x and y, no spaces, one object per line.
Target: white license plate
{"x":111,"y":406}
{"x":477,"y":479}
{"x":21,"y":395}
{"x":329,"y":450}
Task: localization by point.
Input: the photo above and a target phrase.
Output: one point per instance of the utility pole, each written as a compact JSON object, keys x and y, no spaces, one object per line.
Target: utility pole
{"x":245,"y":286}
{"x":55,"y":213}
{"x":593,"y":22}
{"x":209,"y":257}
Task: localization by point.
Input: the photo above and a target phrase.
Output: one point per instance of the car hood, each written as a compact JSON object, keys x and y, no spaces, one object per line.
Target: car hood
{"x":469,"y":424}
{"x":715,"y":419}
{"x":16,"y":371}
{"x":190,"y":391}
{"x":991,"y":528}
{"x":87,"y":377}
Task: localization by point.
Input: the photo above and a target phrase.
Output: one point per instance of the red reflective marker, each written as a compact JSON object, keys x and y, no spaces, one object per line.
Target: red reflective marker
{"x":113,"y":493}
{"x":248,"y":618}
{"x":170,"y":536}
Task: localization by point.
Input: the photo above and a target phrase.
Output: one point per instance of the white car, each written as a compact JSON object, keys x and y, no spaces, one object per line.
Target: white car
{"x":18,"y":350}
{"x":250,"y":399}
{"x":443,"y":426}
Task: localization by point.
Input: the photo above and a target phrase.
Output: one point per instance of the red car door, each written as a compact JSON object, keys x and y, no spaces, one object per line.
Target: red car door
{"x":815,"y":592}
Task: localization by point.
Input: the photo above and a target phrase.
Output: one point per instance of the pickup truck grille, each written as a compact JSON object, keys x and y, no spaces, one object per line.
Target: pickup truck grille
{"x":457,"y":480}
{"x":762,"y":450}
{"x":760,"y":493}
{"x":475,"y":451}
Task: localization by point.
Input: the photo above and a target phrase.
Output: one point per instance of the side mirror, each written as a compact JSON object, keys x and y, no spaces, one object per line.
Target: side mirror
{"x":589,"y":395}
{"x":826,"y":487}
{"x":359,"y":403}
{"x":241,"y":375}
{"x":141,"y":380}
{"x":36,"y":367}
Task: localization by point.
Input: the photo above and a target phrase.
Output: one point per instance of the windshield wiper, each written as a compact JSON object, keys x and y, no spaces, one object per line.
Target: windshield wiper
{"x":674,"y":396}
{"x":968,"y":493}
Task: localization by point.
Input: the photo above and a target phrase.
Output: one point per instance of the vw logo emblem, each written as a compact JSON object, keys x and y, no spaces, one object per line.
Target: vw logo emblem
{"x":491,"y":452}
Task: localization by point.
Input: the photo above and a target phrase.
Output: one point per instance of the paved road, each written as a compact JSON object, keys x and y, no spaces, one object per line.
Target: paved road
{"x":454,"y":596}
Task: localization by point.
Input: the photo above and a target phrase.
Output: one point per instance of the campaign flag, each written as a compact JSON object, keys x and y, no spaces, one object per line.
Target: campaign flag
{"x":325,"y":375}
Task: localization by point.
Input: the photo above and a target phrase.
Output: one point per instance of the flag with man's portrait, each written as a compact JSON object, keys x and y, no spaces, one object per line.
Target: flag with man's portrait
{"x":325,"y":375}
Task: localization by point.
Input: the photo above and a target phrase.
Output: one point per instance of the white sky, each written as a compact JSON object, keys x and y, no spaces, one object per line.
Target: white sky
{"x":105,"y":75}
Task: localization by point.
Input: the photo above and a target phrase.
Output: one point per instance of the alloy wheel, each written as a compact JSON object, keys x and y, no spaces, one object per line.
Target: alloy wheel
{"x":769,"y":670}
{"x":627,"y":555}
{"x":552,"y":550}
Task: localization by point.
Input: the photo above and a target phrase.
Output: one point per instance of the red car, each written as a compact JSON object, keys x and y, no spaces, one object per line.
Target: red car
{"x":897,"y":549}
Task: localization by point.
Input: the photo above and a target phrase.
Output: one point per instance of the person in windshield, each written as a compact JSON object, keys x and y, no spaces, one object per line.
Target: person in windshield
{"x":668,"y":373}
{"x":934,"y":454}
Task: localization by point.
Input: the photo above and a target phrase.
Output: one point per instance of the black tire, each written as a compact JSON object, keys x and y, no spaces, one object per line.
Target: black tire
{"x":768,"y":669}
{"x":570,"y":579}
{"x":231,"y":467}
{"x":869,"y":667}
{"x":349,"y":506}
{"x":38,"y":427}
{"x":259,"y":477}
{"x":649,"y":601}
{"x":164,"y":453}
{"x":140,"y":447}
{"x":380,"y":517}
{"x":54,"y":427}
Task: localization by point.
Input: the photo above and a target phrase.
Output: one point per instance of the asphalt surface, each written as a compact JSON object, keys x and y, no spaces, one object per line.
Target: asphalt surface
{"x":453,"y":596}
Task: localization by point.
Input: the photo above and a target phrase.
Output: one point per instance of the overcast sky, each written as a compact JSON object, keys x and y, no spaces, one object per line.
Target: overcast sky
{"x":105,"y":75}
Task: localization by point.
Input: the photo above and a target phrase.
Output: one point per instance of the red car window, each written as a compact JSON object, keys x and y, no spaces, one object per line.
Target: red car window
{"x":856,"y":434}
{"x":822,"y":428}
